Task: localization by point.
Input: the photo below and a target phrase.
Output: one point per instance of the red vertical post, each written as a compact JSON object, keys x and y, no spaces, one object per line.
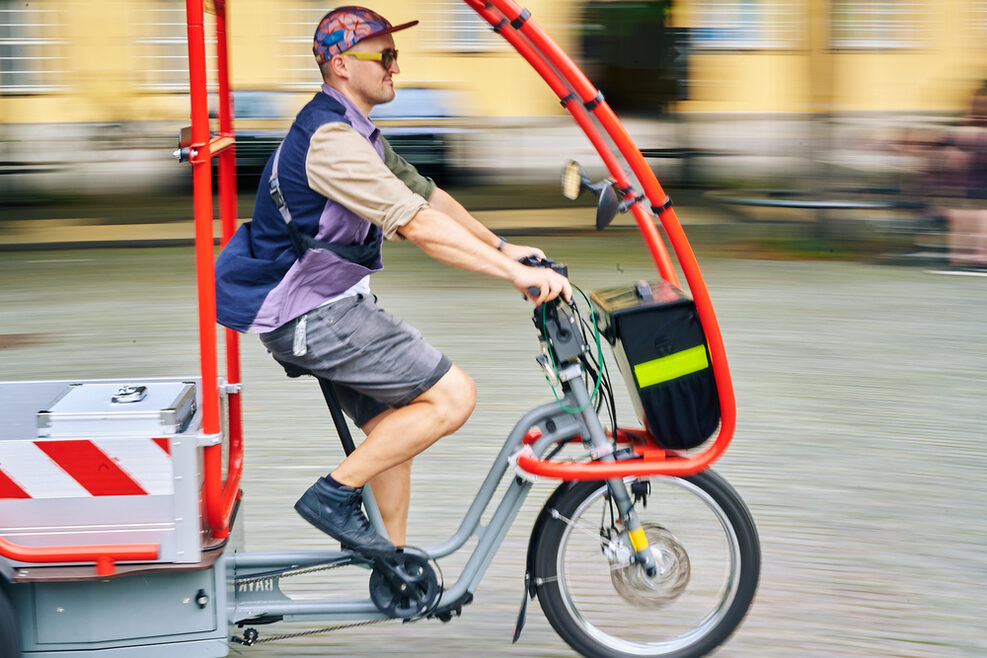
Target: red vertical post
{"x":204,"y":268}
{"x":228,"y":219}
{"x":227,"y":158}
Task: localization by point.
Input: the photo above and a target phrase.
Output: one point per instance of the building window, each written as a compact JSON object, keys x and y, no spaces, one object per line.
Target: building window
{"x":880,"y":24}
{"x":454,"y":27}
{"x":31,"y":46}
{"x":163,"y":47}
{"x":977,"y":15}
{"x":299,"y":69}
{"x":749,"y":24}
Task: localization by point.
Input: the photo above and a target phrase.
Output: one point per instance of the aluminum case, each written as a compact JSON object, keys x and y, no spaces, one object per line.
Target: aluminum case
{"x":102,"y":472}
{"x":104,"y":409}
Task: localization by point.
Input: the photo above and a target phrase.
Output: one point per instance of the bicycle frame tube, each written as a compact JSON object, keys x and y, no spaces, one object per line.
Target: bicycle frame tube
{"x":555,"y":425}
{"x":563,"y":426}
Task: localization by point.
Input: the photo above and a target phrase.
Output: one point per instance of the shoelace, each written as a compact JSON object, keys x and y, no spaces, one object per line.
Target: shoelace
{"x":354,"y":502}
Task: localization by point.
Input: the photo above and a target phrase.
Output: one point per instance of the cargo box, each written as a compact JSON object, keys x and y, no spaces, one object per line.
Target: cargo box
{"x":661,"y":351}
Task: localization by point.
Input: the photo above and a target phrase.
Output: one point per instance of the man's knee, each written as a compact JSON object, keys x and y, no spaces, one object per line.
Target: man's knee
{"x":454,"y":398}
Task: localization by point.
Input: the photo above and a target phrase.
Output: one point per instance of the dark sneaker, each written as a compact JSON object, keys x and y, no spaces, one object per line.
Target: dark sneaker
{"x":337,"y":513}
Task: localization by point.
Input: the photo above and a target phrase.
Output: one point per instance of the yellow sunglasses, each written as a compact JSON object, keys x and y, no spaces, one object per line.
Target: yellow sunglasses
{"x":385,"y":57}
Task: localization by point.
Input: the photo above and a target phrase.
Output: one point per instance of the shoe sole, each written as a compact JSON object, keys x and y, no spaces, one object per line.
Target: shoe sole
{"x":313,"y":518}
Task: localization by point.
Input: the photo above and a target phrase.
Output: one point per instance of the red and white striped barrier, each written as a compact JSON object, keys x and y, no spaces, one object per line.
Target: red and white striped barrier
{"x":75,"y":468}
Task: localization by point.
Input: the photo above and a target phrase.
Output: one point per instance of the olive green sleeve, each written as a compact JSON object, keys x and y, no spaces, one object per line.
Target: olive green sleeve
{"x":406,"y":172}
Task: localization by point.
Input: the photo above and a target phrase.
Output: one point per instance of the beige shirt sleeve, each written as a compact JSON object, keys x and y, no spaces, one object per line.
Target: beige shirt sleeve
{"x":343,"y":166}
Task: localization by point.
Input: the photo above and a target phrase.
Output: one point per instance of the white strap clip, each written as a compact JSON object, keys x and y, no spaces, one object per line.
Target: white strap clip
{"x":521,"y":473}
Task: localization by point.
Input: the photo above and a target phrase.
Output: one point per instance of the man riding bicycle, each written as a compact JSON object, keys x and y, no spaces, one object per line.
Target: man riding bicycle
{"x":299,"y":274}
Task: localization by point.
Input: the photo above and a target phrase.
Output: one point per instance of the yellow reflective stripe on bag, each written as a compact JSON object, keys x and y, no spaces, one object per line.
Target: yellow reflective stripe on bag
{"x":671,"y":367}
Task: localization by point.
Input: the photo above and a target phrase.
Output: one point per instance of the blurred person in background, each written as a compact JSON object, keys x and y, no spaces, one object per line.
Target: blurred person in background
{"x":957,"y":175}
{"x":299,"y":274}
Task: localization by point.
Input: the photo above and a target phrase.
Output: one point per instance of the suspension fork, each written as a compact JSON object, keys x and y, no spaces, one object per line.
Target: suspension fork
{"x":602,"y":448}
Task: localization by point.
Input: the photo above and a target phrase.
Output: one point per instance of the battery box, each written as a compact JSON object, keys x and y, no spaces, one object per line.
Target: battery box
{"x":661,"y":351}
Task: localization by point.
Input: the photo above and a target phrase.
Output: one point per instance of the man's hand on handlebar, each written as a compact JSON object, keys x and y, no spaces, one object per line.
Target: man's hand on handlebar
{"x":519,"y":251}
{"x":541,"y":284}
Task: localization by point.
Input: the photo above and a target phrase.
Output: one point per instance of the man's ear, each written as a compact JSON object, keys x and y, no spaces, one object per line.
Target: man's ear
{"x":338,"y":66}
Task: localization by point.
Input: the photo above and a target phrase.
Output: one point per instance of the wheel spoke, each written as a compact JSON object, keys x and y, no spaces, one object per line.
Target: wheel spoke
{"x":586,"y":529}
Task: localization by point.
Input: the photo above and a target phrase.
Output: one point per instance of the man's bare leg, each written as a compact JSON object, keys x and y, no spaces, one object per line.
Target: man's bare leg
{"x":392,"y":493}
{"x":396,"y":436}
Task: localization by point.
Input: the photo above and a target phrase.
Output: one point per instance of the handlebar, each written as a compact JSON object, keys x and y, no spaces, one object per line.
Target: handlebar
{"x":557,"y":320}
{"x":535,"y":261}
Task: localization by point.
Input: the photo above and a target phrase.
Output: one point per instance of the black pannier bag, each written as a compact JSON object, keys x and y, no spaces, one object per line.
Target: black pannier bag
{"x":661,"y":351}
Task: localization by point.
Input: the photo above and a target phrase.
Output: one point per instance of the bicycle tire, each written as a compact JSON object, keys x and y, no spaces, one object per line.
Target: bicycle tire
{"x":599,"y":621}
{"x":10,"y":643}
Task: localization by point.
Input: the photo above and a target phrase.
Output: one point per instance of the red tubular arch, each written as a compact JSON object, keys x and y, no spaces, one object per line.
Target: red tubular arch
{"x":566,"y":79}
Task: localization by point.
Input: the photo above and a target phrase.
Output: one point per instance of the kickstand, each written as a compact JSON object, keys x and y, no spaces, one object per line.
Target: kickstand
{"x":519,"y":624}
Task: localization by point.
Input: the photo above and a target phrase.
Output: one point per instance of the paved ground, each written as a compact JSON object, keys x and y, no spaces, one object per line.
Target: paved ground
{"x":860,"y":443}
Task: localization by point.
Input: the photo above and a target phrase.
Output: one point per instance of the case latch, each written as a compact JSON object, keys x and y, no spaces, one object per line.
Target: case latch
{"x":129,"y":393}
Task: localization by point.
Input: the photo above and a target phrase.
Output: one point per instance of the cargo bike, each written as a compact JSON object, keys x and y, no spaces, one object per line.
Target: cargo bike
{"x":118,"y":495}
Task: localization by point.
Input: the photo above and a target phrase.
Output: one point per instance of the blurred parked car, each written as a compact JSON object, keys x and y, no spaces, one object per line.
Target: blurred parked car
{"x":420,"y":123}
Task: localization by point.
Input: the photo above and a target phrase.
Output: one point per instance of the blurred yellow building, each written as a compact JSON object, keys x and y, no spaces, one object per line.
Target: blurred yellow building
{"x":117,"y":61}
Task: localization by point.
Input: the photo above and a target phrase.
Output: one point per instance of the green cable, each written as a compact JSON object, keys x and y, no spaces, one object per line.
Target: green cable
{"x":599,"y":351}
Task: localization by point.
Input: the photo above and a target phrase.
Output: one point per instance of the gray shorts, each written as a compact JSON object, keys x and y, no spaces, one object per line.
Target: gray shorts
{"x":374,"y":360}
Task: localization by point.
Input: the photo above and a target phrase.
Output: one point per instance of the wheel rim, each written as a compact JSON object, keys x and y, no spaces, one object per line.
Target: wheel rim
{"x":702,"y":528}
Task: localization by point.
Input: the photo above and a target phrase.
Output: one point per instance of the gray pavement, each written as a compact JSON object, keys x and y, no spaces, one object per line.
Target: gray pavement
{"x":859,"y":448}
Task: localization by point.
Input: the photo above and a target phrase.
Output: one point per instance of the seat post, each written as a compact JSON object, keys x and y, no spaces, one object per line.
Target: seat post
{"x":338,"y":419}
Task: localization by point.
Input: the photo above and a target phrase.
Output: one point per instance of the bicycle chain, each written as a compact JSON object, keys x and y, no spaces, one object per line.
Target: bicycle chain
{"x":316,"y":631}
{"x":249,"y":641}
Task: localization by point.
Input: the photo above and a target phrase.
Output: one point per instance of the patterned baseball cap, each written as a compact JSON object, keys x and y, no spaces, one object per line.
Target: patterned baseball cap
{"x":344,"y":27}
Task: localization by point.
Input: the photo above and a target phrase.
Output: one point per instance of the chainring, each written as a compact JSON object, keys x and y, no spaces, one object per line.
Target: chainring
{"x":670,"y":580}
{"x":404,"y":586}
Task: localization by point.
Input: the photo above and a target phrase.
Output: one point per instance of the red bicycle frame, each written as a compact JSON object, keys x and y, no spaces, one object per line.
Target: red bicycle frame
{"x":581,"y":99}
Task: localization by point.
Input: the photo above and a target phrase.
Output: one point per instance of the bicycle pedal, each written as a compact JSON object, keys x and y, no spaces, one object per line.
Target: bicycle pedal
{"x":454,"y":609}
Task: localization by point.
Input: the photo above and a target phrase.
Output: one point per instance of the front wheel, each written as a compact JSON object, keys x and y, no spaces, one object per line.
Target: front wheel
{"x":600,"y":601}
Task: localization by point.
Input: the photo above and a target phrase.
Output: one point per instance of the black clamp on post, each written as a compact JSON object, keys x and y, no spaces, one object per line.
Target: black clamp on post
{"x":499,"y":27}
{"x":568,"y":99}
{"x":595,"y":102}
{"x":521,"y":19}
{"x":660,"y":210}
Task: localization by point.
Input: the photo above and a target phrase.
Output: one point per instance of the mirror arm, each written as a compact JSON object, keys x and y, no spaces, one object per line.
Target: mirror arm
{"x":598,"y":187}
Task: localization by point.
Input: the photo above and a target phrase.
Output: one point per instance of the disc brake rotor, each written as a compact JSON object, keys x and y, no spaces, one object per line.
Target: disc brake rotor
{"x":404,"y":586}
{"x":669,"y":581}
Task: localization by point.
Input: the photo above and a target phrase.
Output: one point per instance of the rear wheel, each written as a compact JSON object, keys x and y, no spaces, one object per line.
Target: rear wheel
{"x":600,"y":601}
{"x":10,"y":640}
